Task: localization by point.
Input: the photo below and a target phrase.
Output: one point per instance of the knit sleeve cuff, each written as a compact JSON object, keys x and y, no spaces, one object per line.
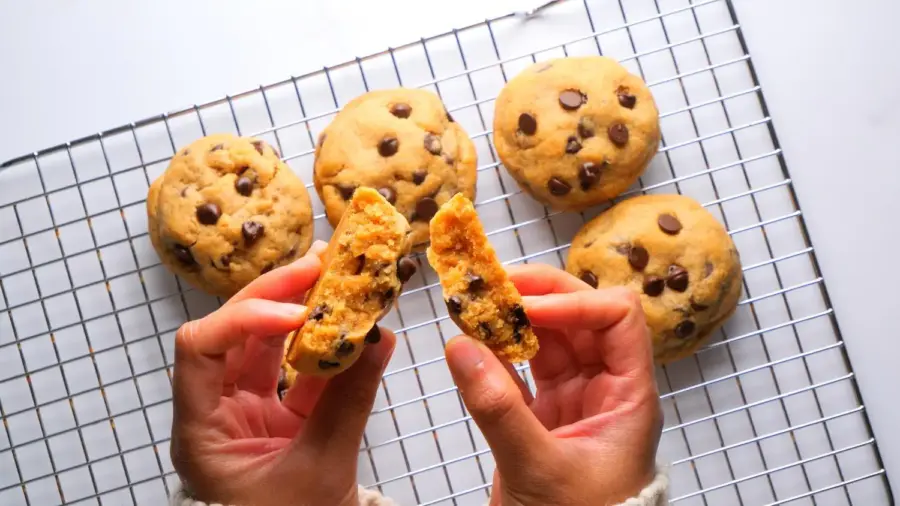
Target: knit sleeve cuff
{"x":180,"y":497}
{"x":654,"y":494}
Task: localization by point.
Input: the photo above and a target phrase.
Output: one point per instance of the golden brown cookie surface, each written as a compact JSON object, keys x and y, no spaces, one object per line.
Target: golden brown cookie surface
{"x":575,"y":132}
{"x":401,"y":142}
{"x":672,"y":252}
{"x":479,"y":296}
{"x":226,"y":210}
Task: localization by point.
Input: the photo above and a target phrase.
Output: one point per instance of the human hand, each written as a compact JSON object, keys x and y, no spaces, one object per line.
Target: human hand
{"x":233,"y":440}
{"x":589,"y":437}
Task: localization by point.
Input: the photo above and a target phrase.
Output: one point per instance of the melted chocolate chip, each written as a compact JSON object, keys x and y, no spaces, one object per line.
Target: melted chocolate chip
{"x":476,"y":282}
{"x":183,"y":254}
{"x":225,"y":260}
{"x":360,"y":265}
{"x":344,"y":348}
{"x":698,"y":307}
{"x":654,"y":285}
{"x":626,"y":100}
{"x":260,"y":146}
{"x":572,"y":145}
{"x":217,"y":147}
{"x":406,"y":267}
{"x":588,"y":174}
{"x":419,"y":176}
{"x":585,"y":128}
{"x":454,"y":304}
{"x":208,"y":214}
{"x":401,"y":110}
{"x":558,"y":187}
{"x":252,"y":231}
{"x":678,"y":278}
{"x":638,"y":258}
{"x":684,"y":329}
{"x":618,"y":134}
{"x":571,"y":99}
{"x":267,"y":268}
{"x":485,"y":329}
{"x":389,"y":194}
{"x":374,"y":335}
{"x":426,"y":209}
{"x":326,"y":364}
{"x":519,"y":318}
{"x":346,"y":191}
{"x":388,"y":147}
{"x":387,"y":297}
{"x":668,"y":224}
{"x":244,"y":186}
{"x":433,"y":144}
{"x":590,"y":278}
{"x":319,"y":312}
{"x":527,"y":124}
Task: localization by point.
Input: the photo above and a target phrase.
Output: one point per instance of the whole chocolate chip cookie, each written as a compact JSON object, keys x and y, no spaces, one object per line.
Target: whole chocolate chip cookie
{"x":404,"y":144}
{"x":575,"y":132}
{"x":672,"y":252}
{"x":226,"y":210}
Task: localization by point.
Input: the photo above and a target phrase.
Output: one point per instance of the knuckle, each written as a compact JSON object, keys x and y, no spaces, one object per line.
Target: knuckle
{"x":184,"y":338}
{"x":493,"y":405}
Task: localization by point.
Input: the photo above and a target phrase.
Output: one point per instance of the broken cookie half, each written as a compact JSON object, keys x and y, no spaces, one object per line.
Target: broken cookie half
{"x":363,"y":271}
{"x":479,"y":295}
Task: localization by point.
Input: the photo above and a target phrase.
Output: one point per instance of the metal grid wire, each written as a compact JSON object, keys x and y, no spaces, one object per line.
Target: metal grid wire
{"x":768,"y":413}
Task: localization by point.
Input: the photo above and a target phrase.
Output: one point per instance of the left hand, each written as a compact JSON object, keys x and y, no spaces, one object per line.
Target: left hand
{"x":233,"y":440}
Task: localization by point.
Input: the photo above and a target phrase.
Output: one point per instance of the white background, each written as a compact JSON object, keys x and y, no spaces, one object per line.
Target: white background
{"x":828,"y":69}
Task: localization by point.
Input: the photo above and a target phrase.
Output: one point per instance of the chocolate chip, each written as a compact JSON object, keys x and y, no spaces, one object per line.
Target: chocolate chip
{"x":698,"y":307}
{"x":388,"y":147}
{"x":707,"y":270}
{"x":208,"y":214}
{"x":638,"y":257}
{"x":618,"y":134}
{"x":527,"y":124}
{"x":684,"y":329}
{"x":401,"y":110}
{"x":326,"y":364}
{"x":668,"y":224}
{"x":485,"y":329}
{"x":454,"y":304}
{"x":389,"y":194}
{"x":344,"y":348}
{"x":244,"y":186}
{"x":360,"y":265}
{"x":449,"y":118}
{"x":267,"y":268}
{"x":571,"y":99}
{"x":585,"y":128}
{"x":626,"y":99}
{"x":252,"y":231}
{"x":588,"y":174}
{"x":217,"y":147}
{"x":406,"y":267}
{"x":432,"y":144}
{"x":346,"y":191}
{"x":183,"y":254}
{"x":387,"y":297}
{"x":678,"y":278}
{"x":419,"y":176}
{"x":558,"y":187}
{"x":476,"y":282}
{"x":260,"y":146}
{"x":225,"y":260}
{"x":519,"y":318}
{"x":572,"y":145}
{"x":319,"y":312}
{"x":589,"y":278}
{"x":426,"y":208}
{"x":654,"y":285}
{"x":374,"y":335}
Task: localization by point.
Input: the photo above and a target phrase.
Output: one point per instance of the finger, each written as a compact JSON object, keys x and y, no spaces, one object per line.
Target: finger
{"x":527,"y":396}
{"x":615,"y":313}
{"x":514,"y":434}
{"x":287,"y":283}
{"x":542,"y":279}
{"x":261,"y":365}
{"x":303,"y":395}
{"x":335,"y":426}
{"x":201,"y":346}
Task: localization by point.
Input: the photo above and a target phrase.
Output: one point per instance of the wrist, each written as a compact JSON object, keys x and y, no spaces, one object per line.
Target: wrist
{"x":181,"y":496}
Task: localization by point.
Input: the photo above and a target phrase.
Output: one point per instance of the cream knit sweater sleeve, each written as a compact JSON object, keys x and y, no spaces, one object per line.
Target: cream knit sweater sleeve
{"x":655,"y":494}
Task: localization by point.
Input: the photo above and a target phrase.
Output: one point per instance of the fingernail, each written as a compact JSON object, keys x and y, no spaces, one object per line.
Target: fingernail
{"x":466,"y":355}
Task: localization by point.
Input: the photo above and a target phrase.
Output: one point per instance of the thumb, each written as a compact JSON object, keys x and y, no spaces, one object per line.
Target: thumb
{"x":516,"y":437}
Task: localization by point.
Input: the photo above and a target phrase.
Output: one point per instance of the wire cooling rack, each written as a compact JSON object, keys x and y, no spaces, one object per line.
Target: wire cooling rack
{"x":768,"y":413}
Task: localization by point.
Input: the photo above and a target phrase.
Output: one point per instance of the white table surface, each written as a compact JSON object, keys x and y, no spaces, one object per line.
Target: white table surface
{"x":827,"y":67}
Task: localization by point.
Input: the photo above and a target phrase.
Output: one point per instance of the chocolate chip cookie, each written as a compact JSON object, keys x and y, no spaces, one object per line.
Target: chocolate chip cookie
{"x":363,"y":271}
{"x":401,"y":142}
{"x":672,"y":252}
{"x":574,"y":132}
{"x":480,"y":297}
{"x":226,"y":210}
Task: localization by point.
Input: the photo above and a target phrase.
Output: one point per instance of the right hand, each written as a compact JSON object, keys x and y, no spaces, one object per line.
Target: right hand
{"x":590,"y":435}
